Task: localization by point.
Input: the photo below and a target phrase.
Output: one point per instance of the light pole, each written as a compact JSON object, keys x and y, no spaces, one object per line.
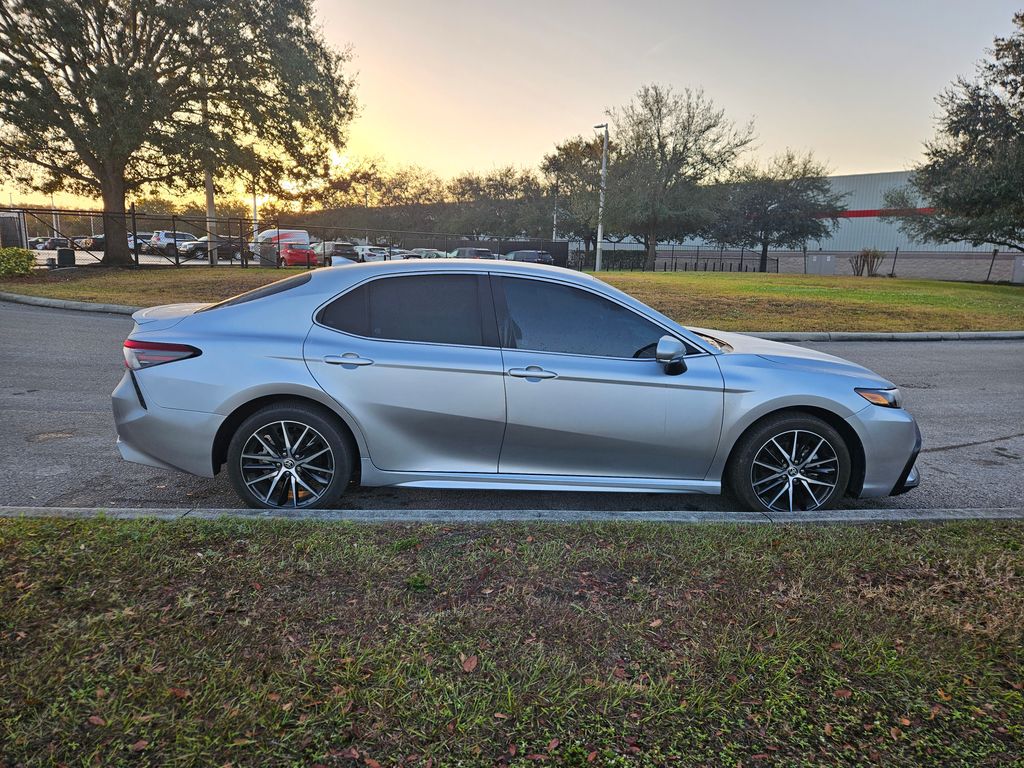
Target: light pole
{"x":600,"y":204}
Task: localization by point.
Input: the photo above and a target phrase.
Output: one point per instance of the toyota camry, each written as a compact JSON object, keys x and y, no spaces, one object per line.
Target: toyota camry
{"x":496,"y":375}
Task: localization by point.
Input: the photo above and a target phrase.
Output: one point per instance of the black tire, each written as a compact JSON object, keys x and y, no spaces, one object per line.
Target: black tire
{"x":324,"y":426}
{"x":819,"y":476}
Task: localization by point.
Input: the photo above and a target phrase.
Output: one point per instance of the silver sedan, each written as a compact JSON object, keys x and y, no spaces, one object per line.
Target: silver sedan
{"x":488,"y":374}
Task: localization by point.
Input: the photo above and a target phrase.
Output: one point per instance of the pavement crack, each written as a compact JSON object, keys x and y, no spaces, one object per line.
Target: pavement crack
{"x":970,"y":445}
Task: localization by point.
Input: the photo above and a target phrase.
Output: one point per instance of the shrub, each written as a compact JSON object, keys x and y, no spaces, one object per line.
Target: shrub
{"x":869,"y":259}
{"x":16,"y":261}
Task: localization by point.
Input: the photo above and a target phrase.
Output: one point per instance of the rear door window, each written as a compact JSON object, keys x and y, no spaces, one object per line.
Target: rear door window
{"x":436,"y":309}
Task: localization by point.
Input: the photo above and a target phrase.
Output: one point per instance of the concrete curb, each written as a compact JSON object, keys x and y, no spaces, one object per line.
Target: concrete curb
{"x":121,"y":309}
{"x":439,"y":516}
{"x":80,"y":306}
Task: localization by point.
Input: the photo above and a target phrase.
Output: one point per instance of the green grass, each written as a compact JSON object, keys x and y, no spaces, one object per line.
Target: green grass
{"x":274,"y":643}
{"x":750,"y":302}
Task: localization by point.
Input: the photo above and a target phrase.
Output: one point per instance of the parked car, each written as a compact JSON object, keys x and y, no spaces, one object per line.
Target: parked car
{"x":143,"y":239}
{"x":168,"y":243}
{"x":327,"y":250}
{"x":227,"y":248}
{"x":372,"y":253}
{"x":297,"y":255}
{"x":53,"y":243}
{"x":531,"y":257}
{"x":37,"y":243}
{"x":473,"y":253}
{"x":503,"y":376}
{"x":426,"y":253}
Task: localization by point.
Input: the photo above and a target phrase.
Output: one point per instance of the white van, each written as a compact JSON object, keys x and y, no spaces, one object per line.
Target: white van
{"x":279,"y":238}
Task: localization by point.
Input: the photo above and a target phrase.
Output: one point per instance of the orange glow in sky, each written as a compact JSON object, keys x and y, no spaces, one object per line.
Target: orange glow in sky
{"x":454,"y":85}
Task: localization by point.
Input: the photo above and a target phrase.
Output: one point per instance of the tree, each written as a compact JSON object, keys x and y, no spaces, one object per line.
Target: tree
{"x":971,"y":183}
{"x":782,"y":205}
{"x":573,"y":171}
{"x":669,"y":146}
{"x":105,"y":97}
{"x":505,"y":202}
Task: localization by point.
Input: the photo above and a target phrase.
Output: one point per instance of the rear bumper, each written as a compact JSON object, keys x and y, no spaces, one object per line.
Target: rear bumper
{"x":168,"y":438}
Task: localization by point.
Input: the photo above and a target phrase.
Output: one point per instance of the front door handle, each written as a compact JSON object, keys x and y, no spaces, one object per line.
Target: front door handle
{"x":531,"y":372}
{"x":349,"y":358}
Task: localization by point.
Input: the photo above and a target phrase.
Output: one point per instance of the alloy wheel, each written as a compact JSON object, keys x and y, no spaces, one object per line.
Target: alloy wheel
{"x":795,"y":471}
{"x":287,"y":464}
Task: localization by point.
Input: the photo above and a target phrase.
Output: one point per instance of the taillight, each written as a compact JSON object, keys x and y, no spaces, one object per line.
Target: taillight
{"x":146,"y":354}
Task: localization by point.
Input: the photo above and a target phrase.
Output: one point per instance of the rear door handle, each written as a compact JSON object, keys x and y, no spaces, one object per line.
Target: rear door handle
{"x":531,"y":372}
{"x":349,"y":358}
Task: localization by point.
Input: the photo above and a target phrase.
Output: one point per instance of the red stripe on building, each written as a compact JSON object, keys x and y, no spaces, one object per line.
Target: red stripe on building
{"x":872,"y":213}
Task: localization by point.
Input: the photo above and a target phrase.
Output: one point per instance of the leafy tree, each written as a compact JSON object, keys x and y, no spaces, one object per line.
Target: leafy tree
{"x":669,"y":145}
{"x":506,"y":202}
{"x":781,"y":205}
{"x":573,"y":171}
{"x":972,"y":180}
{"x":105,"y":97}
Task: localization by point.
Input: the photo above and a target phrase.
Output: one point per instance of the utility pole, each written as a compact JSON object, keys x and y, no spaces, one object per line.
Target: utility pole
{"x":554,"y":213}
{"x":600,"y":204}
{"x":211,"y":211}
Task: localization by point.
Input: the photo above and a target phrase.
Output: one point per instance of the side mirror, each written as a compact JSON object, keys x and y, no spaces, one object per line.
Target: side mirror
{"x":670,"y":352}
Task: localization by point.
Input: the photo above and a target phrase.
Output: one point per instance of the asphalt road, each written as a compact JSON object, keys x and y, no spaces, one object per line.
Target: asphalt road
{"x":57,"y":369}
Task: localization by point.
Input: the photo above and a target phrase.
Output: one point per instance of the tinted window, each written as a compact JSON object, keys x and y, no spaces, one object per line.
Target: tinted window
{"x":441,"y":309}
{"x":548,"y":317}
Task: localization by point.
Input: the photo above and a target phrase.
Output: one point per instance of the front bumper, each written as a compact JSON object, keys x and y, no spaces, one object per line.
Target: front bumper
{"x":891,"y":440}
{"x":911,"y":477}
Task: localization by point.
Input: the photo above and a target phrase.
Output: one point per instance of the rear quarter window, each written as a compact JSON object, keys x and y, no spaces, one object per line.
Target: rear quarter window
{"x":279,"y":286}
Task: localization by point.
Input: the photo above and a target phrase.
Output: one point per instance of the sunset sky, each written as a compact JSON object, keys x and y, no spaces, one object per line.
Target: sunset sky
{"x":454,"y":85}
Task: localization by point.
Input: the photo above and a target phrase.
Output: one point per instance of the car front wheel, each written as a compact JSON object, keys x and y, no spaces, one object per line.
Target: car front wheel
{"x":290,"y":456}
{"x":789,"y":463}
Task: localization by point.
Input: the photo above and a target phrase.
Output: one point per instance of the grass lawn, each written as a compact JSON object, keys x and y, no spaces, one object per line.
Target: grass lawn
{"x":275,"y":643}
{"x":749,"y":302}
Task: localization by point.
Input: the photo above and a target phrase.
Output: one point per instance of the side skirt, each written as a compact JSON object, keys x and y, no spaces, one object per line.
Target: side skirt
{"x":372,"y":476}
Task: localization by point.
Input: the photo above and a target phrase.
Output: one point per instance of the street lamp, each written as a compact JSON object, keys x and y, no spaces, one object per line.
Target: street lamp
{"x":600,"y":205}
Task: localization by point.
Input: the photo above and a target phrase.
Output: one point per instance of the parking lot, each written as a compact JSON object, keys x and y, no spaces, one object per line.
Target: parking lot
{"x":57,"y":369}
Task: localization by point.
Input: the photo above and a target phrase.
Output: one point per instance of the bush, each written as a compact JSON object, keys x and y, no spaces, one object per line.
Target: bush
{"x":16,"y":261}
{"x":869,"y":259}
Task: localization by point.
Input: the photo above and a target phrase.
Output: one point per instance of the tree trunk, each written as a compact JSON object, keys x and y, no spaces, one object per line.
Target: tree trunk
{"x":115,"y":225}
{"x":652,"y":251}
{"x":764,"y":258}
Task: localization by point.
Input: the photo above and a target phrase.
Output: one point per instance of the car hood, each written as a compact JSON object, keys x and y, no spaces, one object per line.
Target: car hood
{"x":793,"y":357}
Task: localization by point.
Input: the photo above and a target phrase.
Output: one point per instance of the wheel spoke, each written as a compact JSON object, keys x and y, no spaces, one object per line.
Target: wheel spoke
{"x":796,"y":436}
{"x":816,"y":502}
{"x":819,"y":463}
{"x":269,"y":450}
{"x":295,"y":495}
{"x":315,"y":455}
{"x":818,"y":482}
{"x":295,"y":450}
{"x":287,"y":442}
{"x":769,"y":466}
{"x":260,"y":479}
{"x":776,"y":477}
{"x":273,"y":485}
{"x":779,"y":495}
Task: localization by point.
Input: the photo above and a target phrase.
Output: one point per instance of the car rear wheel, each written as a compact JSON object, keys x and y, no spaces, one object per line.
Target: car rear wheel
{"x":290,"y":456}
{"x":789,"y":463}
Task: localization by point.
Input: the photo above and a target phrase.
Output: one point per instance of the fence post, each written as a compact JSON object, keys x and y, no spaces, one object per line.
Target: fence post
{"x":995,"y":252}
{"x":174,"y":240}
{"x":135,"y":237}
{"x":896,"y":255}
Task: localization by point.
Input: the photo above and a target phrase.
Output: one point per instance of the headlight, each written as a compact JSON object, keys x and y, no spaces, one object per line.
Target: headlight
{"x":887,"y":398}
